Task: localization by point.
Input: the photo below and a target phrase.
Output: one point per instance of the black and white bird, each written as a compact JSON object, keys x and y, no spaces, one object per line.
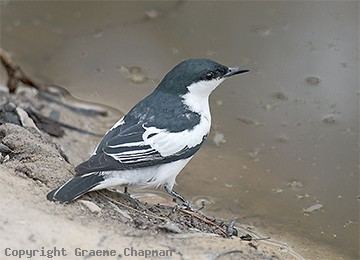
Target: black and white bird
{"x":150,"y":145}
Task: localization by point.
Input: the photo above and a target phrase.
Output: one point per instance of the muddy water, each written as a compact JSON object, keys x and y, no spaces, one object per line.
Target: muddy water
{"x":283,"y":154}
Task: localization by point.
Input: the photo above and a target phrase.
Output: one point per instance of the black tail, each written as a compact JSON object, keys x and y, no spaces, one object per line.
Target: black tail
{"x":75,"y":187}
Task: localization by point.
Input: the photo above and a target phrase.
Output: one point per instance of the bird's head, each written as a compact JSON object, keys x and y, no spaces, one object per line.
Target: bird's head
{"x":200,"y":76}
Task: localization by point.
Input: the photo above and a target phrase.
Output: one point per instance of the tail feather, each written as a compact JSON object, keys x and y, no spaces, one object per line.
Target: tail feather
{"x":75,"y":187}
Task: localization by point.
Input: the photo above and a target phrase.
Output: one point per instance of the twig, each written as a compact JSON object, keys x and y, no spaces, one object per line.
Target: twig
{"x":16,"y":74}
{"x":131,"y":208}
{"x":42,"y":120}
{"x":204,"y":220}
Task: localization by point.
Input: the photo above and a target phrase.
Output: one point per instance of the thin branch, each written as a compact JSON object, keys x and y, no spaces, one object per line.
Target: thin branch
{"x":131,"y":208}
{"x":211,"y":223}
{"x":16,"y":74}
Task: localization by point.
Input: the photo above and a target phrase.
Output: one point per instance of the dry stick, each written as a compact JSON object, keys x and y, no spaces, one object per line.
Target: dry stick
{"x":165,"y":219}
{"x":204,"y":220}
{"x":128,"y":207}
{"x":16,"y":74}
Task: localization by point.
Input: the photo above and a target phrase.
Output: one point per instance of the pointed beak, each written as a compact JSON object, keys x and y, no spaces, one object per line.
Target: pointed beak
{"x":235,"y":71}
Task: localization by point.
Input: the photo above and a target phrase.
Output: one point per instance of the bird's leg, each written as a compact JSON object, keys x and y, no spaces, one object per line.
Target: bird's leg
{"x":176,"y":195}
{"x":126,"y":193}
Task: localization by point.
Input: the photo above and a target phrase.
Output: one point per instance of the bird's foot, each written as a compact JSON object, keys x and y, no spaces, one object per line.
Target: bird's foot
{"x":185,"y":204}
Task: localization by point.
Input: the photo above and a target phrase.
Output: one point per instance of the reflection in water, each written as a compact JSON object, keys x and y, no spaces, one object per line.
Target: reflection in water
{"x":283,"y":154}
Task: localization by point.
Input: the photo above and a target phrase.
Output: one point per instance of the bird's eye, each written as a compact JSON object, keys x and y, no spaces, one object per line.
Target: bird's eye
{"x":209,"y":75}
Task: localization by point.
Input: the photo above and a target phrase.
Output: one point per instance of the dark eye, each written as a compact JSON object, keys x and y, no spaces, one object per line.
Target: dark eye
{"x":209,"y":75}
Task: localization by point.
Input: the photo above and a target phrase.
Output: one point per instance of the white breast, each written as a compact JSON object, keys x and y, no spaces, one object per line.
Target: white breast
{"x":197,"y":100}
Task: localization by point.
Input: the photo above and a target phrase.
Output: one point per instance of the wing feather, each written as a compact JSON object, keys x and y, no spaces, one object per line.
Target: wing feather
{"x":137,"y":146}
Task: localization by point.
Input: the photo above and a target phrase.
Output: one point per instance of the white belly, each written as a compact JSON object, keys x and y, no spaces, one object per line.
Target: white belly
{"x":149,"y":177}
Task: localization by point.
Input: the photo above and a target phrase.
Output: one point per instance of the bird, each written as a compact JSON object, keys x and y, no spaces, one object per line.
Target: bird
{"x":152,"y":143}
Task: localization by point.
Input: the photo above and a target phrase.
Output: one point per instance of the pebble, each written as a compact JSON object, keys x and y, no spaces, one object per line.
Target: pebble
{"x":152,"y":14}
{"x":26,"y":121}
{"x":134,"y":73}
{"x":4,"y":149}
{"x":300,"y":197}
{"x":280,"y":96}
{"x":282,"y":138}
{"x":261,"y":30}
{"x":277,"y":190}
{"x":329,"y":119}
{"x":313,"y":208}
{"x":219,"y":138}
{"x":248,"y":121}
{"x":90,"y":206}
{"x":313,"y":80}
{"x":295,"y":185}
{"x":170,"y":227}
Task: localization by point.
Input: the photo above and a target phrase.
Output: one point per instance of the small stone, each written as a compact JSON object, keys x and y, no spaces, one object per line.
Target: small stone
{"x":280,"y":96}
{"x":248,"y":121}
{"x":26,"y":121}
{"x":329,"y":119}
{"x":268,"y":107}
{"x":152,"y":14}
{"x":219,"y":138}
{"x":170,"y":227}
{"x":261,"y":30}
{"x":295,"y":185}
{"x":313,"y":80}
{"x":134,"y":73}
{"x":277,"y":190}
{"x":90,"y":206}
{"x":313,"y":208}
{"x":4,"y":149}
{"x":282,"y":138}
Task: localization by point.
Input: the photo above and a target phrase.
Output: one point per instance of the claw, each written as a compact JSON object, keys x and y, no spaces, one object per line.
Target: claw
{"x":187,"y":205}
{"x":184,"y":203}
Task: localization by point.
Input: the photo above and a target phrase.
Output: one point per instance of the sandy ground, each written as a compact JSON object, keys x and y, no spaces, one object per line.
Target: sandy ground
{"x":28,"y":221}
{"x":38,"y":163}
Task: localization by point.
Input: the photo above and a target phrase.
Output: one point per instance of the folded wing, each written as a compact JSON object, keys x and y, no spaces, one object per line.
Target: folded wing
{"x":137,"y":146}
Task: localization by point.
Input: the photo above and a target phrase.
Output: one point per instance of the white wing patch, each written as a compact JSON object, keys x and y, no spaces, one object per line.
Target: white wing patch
{"x":167,"y":143}
{"x":160,"y":141}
